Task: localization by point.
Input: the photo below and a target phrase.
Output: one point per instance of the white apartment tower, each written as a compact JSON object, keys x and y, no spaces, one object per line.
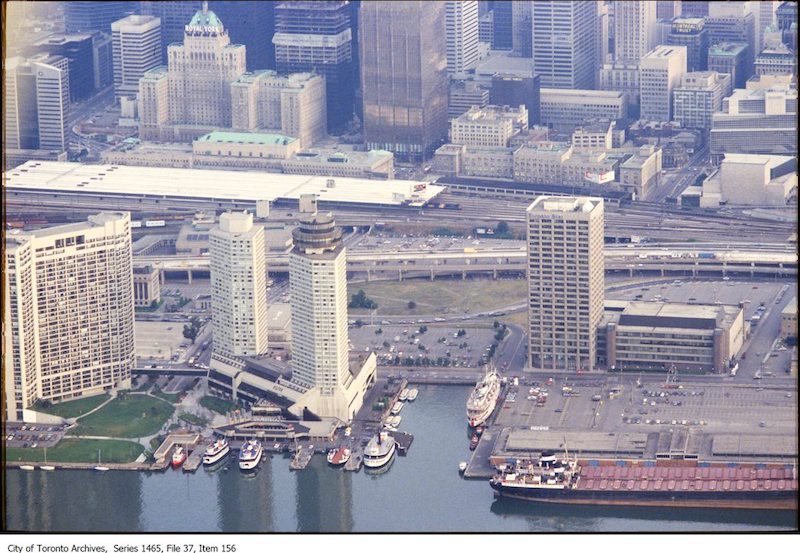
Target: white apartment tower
{"x":201,"y":71}
{"x":70,"y":311}
{"x":634,"y":29}
{"x":238,"y":286}
{"x":318,"y":284}
{"x":461,"y":29}
{"x":660,"y":72}
{"x":136,"y":46}
{"x":565,"y":281}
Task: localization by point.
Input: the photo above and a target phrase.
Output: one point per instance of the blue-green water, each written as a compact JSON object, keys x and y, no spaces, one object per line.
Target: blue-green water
{"x":421,"y":492}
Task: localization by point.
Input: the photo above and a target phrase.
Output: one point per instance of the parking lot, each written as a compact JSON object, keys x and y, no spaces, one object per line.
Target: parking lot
{"x":33,"y":435}
{"x":459,"y":346}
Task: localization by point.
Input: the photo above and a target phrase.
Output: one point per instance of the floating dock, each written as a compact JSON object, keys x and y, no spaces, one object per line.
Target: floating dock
{"x":302,"y":457}
{"x":356,"y":460}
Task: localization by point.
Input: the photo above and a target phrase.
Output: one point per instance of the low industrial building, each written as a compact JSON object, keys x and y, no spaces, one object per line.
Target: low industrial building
{"x":744,"y":179}
{"x":568,"y":109}
{"x":661,"y":336}
{"x":789,"y":319}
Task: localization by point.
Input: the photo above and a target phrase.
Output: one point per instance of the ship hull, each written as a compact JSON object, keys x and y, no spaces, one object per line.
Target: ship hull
{"x":211,"y":458}
{"x":773,"y":500}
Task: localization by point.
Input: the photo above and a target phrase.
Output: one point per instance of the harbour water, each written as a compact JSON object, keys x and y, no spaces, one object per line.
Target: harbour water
{"x":421,"y":492}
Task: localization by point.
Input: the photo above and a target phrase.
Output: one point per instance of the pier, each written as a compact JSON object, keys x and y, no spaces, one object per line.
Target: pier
{"x":302,"y":457}
{"x":355,"y":461}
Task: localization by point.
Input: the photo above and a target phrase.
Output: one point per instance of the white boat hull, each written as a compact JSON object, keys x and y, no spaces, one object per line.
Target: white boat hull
{"x":211,"y":459}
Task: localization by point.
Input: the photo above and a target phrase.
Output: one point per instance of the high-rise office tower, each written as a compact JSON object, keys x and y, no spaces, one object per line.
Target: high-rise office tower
{"x":694,"y":8}
{"x":691,"y":32}
{"x":733,"y":21}
{"x":634,"y":29}
{"x":603,"y":32}
{"x":404,"y":77}
{"x":70,"y":292}
{"x":461,"y":26}
{"x":102,"y":60}
{"x":564,"y":43}
{"x":764,"y":14}
{"x":136,"y":41}
{"x":667,"y":9}
{"x":521,"y":29}
{"x":77,"y":48}
{"x":238,"y":286}
{"x":317,"y":36}
{"x":318,"y":284}
{"x":565,"y":281}
{"x":660,"y":72}
{"x":503,"y":25}
{"x":201,"y":71}
{"x":36,"y":102}
{"x":173,"y":17}
{"x":87,"y":16}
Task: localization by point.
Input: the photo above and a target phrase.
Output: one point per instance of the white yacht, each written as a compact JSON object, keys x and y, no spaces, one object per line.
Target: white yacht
{"x":216,"y":451}
{"x":250,"y":455}
{"x":379,"y":450}
{"x":483,"y":399}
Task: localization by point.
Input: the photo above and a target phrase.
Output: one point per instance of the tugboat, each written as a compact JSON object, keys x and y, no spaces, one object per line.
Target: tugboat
{"x":339,"y":456}
{"x":178,"y":457}
{"x":216,"y":451}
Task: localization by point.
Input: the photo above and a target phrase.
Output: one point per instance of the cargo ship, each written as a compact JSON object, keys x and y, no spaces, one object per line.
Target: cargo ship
{"x":674,"y":483}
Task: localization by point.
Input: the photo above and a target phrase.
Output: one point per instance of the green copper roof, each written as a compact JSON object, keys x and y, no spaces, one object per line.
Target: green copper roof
{"x":247,"y":138}
{"x":206,"y":19}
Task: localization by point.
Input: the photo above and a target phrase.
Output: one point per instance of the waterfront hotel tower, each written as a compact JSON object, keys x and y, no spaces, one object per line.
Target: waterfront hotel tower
{"x":68,"y":328}
{"x":565,"y":281}
{"x":320,"y":350}
{"x":238,"y":286}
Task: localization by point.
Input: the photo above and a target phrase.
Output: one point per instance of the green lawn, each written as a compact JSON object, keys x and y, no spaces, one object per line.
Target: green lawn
{"x":216,"y":404}
{"x":131,"y":416}
{"x":439,"y":297}
{"x":172,"y":398}
{"x":80,"y":451}
{"x":74,"y":408}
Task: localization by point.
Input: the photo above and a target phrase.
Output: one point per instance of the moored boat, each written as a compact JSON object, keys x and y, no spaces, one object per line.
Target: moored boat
{"x":403,"y":395}
{"x":483,"y":399}
{"x":396,"y":408}
{"x":216,"y":451}
{"x":412,"y":394}
{"x":685,"y":483}
{"x":462,"y":466}
{"x":250,"y":455}
{"x":178,"y":457}
{"x":379,"y":450}
{"x":339,"y":456}
{"x":26,"y":467}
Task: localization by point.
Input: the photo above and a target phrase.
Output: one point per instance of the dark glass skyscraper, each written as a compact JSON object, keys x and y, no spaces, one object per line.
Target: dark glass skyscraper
{"x":77,"y":48}
{"x":404,"y":77}
{"x":513,"y":90}
{"x":96,"y":16}
{"x":317,"y":36}
{"x":503,"y":23}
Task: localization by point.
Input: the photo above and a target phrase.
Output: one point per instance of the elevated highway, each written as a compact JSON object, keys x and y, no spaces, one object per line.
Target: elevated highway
{"x":497,"y":262}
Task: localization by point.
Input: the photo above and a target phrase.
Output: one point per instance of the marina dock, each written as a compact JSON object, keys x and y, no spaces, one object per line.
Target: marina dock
{"x":356,"y":460}
{"x":403,"y":439}
{"x":302,"y":457}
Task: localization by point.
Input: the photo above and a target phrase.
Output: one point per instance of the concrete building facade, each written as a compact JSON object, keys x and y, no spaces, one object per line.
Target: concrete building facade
{"x":70,"y":291}
{"x":461,"y":30}
{"x":136,"y":44}
{"x":238,"y":286}
{"x":565,"y":43}
{"x":568,"y":109}
{"x":698,"y":97}
{"x":565,"y":281}
{"x":660,"y":73}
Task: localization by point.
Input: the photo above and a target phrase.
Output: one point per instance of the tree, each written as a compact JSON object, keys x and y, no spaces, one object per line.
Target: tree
{"x":191,"y":330}
{"x":423,"y":329}
{"x":502,"y":227}
{"x":359,"y":300}
{"x":412,"y":304}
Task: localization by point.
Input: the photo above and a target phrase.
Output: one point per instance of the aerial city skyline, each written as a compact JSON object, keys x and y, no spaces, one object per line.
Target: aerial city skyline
{"x":240,"y":232}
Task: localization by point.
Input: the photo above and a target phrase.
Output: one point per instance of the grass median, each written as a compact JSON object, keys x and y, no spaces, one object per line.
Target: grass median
{"x":79,"y":450}
{"x":128,"y":416}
